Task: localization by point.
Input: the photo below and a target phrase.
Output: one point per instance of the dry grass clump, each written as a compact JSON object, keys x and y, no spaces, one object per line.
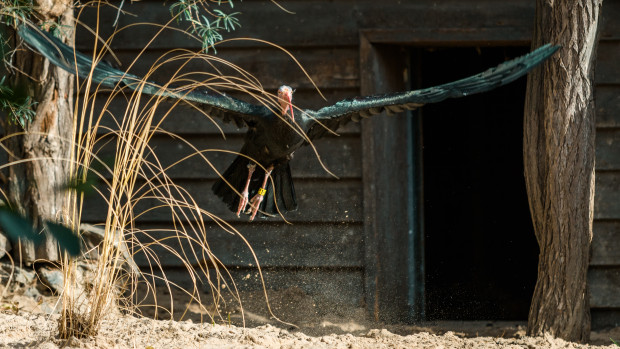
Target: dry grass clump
{"x":135,"y":177}
{"x":135,"y":184}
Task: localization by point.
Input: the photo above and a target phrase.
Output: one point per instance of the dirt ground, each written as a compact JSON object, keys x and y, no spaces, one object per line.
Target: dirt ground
{"x":25,"y":322}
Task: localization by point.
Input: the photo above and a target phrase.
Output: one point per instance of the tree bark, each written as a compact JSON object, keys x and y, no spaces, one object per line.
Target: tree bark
{"x":35,"y":186}
{"x":559,"y":166}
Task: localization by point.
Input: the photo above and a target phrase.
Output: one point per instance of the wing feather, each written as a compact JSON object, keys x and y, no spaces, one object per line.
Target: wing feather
{"x":213,"y":103}
{"x":322,"y":121}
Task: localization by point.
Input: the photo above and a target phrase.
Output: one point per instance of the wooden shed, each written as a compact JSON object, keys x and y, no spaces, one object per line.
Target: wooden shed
{"x":428,"y":218}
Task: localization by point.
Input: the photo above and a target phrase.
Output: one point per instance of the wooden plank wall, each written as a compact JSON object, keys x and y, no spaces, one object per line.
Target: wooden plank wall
{"x":325,"y":243}
{"x":604,"y":276}
{"x":321,"y":252}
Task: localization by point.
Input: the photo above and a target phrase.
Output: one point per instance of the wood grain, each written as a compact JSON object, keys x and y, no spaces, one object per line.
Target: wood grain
{"x":341,"y":155}
{"x":606,"y":243}
{"x":320,"y":201}
{"x":333,"y":24}
{"x":605,"y":287}
{"x":275,"y":245}
{"x":608,"y":105}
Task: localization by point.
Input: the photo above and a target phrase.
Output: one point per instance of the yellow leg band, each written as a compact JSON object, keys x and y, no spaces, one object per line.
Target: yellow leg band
{"x":262,"y":192}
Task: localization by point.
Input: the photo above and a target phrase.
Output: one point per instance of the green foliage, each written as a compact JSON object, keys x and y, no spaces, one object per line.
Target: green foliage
{"x":16,"y":102}
{"x":13,"y":12}
{"x":208,"y":30}
{"x":57,"y":29}
{"x":67,"y":239}
{"x":87,"y":179}
{"x":615,"y":342}
{"x":16,"y":226}
{"x":83,"y":183}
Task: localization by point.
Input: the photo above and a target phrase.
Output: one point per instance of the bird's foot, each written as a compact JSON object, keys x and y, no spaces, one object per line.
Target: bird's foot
{"x":255,"y":203}
{"x":243,"y":201}
{"x":258,"y":198}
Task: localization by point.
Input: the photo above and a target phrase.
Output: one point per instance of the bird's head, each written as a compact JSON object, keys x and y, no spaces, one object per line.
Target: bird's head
{"x":285,"y":95}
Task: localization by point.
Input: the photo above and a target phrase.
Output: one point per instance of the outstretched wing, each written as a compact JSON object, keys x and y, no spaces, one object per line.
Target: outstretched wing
{"x":65,"y":57}
{"x":337,"y":115}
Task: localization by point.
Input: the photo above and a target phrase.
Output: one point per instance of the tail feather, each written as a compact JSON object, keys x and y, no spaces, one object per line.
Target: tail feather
{"x":284,"y":191}
{"x":278,"y":200}
{"x":236,"y":174}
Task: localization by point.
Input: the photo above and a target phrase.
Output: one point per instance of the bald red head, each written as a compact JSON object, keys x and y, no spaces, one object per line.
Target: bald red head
{"x":285,"y":94}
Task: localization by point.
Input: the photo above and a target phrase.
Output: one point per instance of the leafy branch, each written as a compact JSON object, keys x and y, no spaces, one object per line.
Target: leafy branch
{"x":208,"y":30}
{"x":18,"y":226}
{"x":13,"y":12}
{"x":16,"y":102}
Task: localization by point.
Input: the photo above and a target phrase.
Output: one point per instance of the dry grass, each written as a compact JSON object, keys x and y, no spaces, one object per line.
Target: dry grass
{"x":136,"y":176}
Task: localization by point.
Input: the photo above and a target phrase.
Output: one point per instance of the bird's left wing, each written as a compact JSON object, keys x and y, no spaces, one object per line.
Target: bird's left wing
{"x":214,"y":103}
{"x":335,"y":116}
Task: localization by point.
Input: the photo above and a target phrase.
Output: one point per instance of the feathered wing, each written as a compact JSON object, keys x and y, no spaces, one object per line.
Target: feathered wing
{"x":339,"y":114}
{"x":65,"y":57}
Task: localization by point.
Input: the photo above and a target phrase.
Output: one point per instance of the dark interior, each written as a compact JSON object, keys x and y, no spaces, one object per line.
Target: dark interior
{"x":480,"y":251}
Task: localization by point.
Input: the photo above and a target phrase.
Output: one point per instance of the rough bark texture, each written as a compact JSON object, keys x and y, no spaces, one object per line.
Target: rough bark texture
{"x":559,"y":166}
{"x":34,"y":185}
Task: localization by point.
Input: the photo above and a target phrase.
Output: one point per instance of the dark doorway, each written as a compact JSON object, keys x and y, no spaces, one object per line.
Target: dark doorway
{"x":480,"y":251}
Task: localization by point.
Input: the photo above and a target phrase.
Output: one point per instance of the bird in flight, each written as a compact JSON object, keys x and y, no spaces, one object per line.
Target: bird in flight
{"x":259,"y":179}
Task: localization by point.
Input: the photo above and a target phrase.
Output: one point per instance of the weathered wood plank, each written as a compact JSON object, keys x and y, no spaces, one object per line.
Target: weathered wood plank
{"x":607,"y":195}
{"x":609,"y":27}
{"x":271,"y":67}
{"x":275,"y":245}
{"x":607,"y":149}
{"x":607,"y":57}
{"x":341,"y":155}
{"x":604,"y":286}
{"x":444,"y":37}
{"x":319,"y":23}
{"x":337,"y":23}
{"x":606,"y":244}
{"x":604,"y":319}
{"x":608,"y":106}
{"x":320,"y":201}
{"x":290,"y":291}
{"x":185,"y":120}
{"x":388,"y":196}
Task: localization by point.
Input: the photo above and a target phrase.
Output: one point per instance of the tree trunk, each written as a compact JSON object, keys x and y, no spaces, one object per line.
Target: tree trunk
{"x":35,"y":186}
{"x":559,"y":166}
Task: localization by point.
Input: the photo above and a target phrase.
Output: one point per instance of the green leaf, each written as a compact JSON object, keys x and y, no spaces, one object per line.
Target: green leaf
{"x":67,"y":239}
{"x":82,"y":185}
{"x":208,"y":31}
{"x":16,"y":226}
{"x":16,"y":102}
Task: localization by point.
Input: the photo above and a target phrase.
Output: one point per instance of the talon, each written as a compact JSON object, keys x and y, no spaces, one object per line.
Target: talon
{"x":258,"y":198}
{"x":243,"y":201}
{"x":255,"y":204}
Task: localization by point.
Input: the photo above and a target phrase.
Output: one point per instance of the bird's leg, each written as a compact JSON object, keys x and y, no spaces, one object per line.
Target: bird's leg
{"x":258,"y":198}
{"x":243,"y":201}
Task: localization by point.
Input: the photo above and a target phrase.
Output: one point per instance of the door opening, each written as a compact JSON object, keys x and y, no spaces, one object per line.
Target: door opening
{"x":480,"y":250}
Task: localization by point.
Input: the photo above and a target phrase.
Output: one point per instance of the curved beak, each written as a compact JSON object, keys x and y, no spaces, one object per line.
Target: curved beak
{"x":289,"y":98}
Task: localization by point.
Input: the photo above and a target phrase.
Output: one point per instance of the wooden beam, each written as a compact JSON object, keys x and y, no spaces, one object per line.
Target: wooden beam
{"x":387,"y":202}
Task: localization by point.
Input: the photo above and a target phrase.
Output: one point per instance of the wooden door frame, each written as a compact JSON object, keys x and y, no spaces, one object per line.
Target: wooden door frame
{"x":394,"y":287}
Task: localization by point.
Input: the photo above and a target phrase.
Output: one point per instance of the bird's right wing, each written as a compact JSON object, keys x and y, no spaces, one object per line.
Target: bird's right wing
{"x":213,"y":103}
{"x":335,"y":116}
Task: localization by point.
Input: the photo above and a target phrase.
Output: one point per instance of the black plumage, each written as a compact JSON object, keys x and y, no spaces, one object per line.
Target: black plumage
{"x":273,"y":137}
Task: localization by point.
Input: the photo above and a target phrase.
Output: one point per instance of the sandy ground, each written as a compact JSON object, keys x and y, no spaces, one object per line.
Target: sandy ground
{"x":29,"y":319}
{"x":29,"y":330}
{"x":25,"y":324}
